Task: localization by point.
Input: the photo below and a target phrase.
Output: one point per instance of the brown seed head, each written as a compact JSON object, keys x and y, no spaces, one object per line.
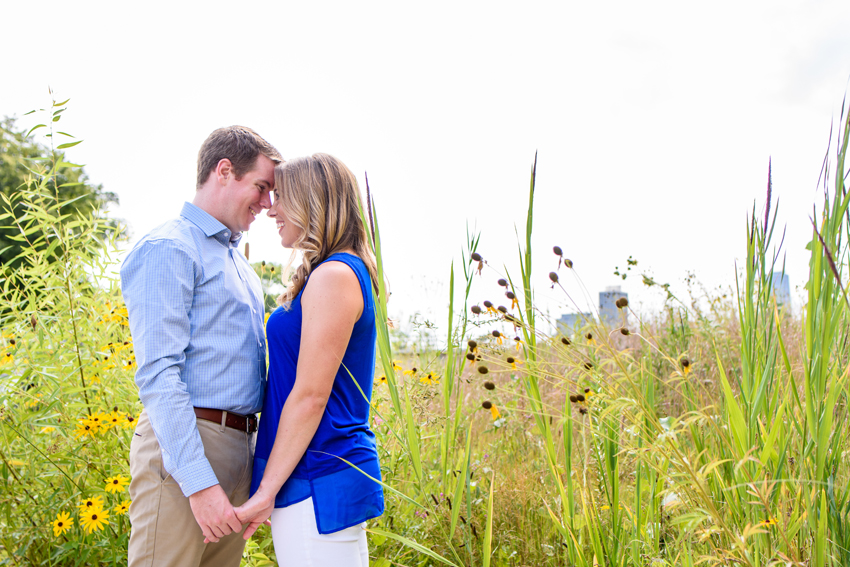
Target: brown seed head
{"x":573,"y":398}
{"x":580,"y":397}
{"x":502,"y":308}
{"x":483,"y":370}
{"x":511,"y":360}
{"x":622,"y":302}
{"x":496,"y":334}
{"x":553,"y":276}
{"x":568,"y":263}
{"x":565,"y":340}
{"x":557,"y":250}
{"x":476,"y":256}
{"x":685,"y":362}
{"x":472,"y":345}
{"x":489,"y":386}
{"x":12,"y":342}
{"x":582,"y":411}
{"x":587,"y":390}
{"x":33,"y":321}
{"x":503,"y":282}
{"x":488,"y":304}
{"x":510,"y":295}
{"x":589,"y":336}
{"x":588,"y":365}
{"x":470,"y":356}
{"x":486,"y":404}
{"x":624,"y":331}
{"x":475,"y":309}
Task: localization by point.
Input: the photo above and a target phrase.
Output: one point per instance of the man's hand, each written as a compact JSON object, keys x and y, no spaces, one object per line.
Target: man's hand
{"x":214,"y":513}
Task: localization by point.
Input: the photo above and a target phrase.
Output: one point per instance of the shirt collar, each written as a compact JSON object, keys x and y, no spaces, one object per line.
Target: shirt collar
{"x":210,"y":225}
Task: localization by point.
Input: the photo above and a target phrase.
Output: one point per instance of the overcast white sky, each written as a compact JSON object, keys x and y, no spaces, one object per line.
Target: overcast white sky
{"x":653,"y":120}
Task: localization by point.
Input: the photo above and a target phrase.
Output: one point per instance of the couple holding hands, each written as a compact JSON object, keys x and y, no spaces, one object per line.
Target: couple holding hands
{"x":205,"y":473}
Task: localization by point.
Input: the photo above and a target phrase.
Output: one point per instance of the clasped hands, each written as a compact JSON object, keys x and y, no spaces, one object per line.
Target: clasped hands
{"x":218,"y":518}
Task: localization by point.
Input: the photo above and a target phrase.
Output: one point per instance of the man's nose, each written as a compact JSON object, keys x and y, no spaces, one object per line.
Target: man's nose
{"x":266,"y":202}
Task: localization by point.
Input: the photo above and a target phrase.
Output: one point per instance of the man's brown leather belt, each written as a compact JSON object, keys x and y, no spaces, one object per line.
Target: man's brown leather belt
{"x":246,"y":423}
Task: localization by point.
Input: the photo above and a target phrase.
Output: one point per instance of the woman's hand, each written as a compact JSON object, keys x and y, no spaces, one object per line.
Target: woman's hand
{"x":255,"y":512}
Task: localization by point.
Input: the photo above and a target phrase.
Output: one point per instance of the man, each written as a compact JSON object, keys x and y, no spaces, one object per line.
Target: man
{"x":196,"y":315}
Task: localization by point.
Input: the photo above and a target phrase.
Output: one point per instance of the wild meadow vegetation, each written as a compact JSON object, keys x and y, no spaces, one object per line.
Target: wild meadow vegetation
{"x":712,"y":433}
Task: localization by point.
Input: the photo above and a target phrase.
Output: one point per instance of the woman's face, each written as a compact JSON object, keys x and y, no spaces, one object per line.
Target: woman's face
{"x":288,"y":232}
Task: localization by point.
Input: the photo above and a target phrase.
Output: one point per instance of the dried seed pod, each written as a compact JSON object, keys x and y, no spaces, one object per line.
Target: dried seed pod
{"x":553,"y":276}
{"x":557,"y":250}
{"x":622,"y":302}
{"x":503,"y":282}
{"x":483,"y":370}
{"x":475,"y":309}
{"x":582,"y":411}
{"x":489,"y":386}
{"x":476,"y":256}
{"x":33,"y":321}
{"x":486,"y":404}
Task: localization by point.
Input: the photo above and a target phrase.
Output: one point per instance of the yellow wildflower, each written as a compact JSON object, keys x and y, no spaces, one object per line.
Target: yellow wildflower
{"x":85,"y":428}
{"x":768,"y":522}
{"x":494,"y":411}
{"x":62,"y":523}
{"x":123,"y":507}
{"x":116,"y":483}
{"x":48,"y":429}
{"x":382,"y":380}
{"x":115,"y":419}
{"x":410,"y":372}
{"x":89,"y":503}
{"x":519,"y":343}
{"x":94,"y":519}
{"x":16,"y":463}
{"x":6,"y":358}
{"x":130,"y":422}
{"x":430,"y":379}
{"x":396,"y":366}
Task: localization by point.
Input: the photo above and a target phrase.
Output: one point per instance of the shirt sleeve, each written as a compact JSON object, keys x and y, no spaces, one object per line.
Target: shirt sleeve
{"x":158,"y":281}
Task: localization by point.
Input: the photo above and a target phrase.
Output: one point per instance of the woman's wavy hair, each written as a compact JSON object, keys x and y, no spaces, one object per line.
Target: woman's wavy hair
{"x":321,"y":197}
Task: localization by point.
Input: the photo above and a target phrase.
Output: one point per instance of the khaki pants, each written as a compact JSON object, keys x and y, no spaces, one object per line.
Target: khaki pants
{"x":164,"y":531}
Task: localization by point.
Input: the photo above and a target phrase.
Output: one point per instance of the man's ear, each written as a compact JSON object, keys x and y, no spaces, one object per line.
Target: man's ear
{"x":223,"y":170}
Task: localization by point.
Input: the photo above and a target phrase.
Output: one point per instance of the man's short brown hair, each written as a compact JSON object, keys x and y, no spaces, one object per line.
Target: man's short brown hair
{"x":240,"y":145}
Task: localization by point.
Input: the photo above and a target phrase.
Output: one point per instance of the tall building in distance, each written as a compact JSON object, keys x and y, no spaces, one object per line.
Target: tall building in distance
{"x":782,"y":289}
{"x":609,"y":313}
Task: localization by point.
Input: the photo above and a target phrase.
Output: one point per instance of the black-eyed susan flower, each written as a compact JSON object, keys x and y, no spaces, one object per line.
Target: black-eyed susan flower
{"x":116,"y":483}
{"x":123,"y":507}
{"x":430,"y":379}
{"x":6,"y":358}
{"x":513,"y":362}
{"x":85,"y":429}
{"x":473,"y":346}
{"x":115,"y":419}
{"x":565,"y":341}
{"x":685,"y":363}
{"x":397,"y":366}
{"x":768,"y":522}
{"x":490,"y":309}
{"x":512,"y":296}
{"x":94,"y":519}
{"x":130,"y":422}
{"x":518,"y":343}
{"x":590,"y":339}
{"x":476,"y":257}
{"x":382,"y":380}
{"x":411,"y":372}
{"x":89,"y":503}
{"x":62,"y":523}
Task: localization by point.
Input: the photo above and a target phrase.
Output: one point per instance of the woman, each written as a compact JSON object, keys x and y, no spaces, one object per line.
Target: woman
{"x":314,"y":424}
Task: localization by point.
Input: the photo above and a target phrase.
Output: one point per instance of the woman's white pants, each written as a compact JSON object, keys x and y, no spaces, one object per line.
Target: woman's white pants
{"x":298,"y":543}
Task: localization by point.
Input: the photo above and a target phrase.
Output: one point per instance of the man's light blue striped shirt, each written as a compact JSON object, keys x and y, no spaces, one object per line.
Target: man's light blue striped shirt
{"x":196,"y":316}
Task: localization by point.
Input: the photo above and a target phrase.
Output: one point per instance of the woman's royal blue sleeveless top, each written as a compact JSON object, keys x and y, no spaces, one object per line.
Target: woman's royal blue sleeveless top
{"x":343,"y":496}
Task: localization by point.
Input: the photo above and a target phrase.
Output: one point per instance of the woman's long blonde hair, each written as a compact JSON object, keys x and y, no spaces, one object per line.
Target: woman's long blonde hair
{"x":321,"y":197}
